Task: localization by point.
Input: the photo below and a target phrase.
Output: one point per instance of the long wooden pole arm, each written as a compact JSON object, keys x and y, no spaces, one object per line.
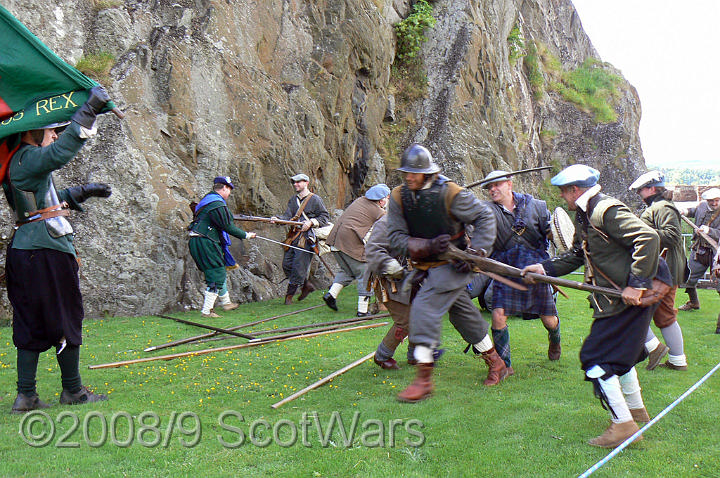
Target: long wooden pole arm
{"x":713,"y":243}
{"x":497,"y":267}
{"x":282,"y":222}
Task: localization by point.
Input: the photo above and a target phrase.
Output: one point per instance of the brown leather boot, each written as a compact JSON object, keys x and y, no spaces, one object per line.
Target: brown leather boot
{"x":554,"y":351}
{"x":288,"y":300}
{"x":306,"y":289}
{"x":717,"y":327}
{"x":656,"y":356}
{"x":615,"y":434}
{"x":422,"y":386}
{"x":497,"y":370}
{"x":640,"y":414}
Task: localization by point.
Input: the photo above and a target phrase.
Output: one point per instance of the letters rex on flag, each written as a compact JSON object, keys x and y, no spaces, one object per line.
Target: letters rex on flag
{"x":37,"y":87}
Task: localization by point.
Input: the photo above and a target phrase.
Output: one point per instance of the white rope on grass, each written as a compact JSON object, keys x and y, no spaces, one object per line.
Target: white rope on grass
{"x":627,"y":442}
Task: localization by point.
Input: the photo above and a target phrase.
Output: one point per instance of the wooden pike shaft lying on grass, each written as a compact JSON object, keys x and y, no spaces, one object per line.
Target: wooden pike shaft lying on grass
{"x":497,"y":267}
{"x":322,"y":381}
{"x":336,"y":323}
{"x":709,"y":239}
{"x":213,"y":334}
{"x":268,"y":340}
{"x":209,"y":327}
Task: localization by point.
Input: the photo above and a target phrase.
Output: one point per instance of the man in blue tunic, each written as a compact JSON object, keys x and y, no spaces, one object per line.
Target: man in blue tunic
{"x":209,"y":243}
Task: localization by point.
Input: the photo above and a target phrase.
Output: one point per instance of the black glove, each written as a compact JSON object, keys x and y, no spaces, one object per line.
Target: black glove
{"x":81,"y":193}
{"x":85,"y":116}
{"x":462,"y":266}
{"x":419,"y":248}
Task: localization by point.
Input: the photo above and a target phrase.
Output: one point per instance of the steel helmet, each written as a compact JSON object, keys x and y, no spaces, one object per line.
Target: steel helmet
{"x":417,"y":159}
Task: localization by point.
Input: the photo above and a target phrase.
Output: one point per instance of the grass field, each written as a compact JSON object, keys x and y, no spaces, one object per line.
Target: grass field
{"x":210,"y":415}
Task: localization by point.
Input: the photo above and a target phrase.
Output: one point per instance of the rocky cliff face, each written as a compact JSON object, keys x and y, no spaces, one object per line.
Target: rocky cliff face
{"x":262,"y":90}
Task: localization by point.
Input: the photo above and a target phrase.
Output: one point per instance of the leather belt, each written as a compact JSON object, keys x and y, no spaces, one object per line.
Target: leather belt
{"x":46,"y":213}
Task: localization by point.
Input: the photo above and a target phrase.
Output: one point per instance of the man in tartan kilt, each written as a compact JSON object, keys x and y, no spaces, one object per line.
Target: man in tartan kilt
{"x":523,"y":224}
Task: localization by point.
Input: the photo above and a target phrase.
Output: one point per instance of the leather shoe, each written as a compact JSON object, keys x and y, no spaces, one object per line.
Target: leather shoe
{"x":364,"y":314}
{"x":672,"y":366}
{"x":24,"y":403}
{"x":211,"y":315}
{"x":656,"y":356}
{"x":689,"y":305}
{"x":389,"y":364}
{"x":81,"y":396}
{"x":330,"y":301}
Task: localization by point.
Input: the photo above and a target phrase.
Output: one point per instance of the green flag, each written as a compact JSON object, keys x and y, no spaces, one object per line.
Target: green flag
{"x":37,"y":87}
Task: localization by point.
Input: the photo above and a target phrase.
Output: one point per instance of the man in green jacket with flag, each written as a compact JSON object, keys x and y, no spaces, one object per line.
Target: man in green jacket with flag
{"x":210,"y":233}
{"x":42,"y":269}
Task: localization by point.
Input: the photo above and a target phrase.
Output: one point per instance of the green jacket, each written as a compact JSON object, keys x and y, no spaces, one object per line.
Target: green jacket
{"x":620,"y":245}
{"x":31,"y":170}
{"x":206,"y":243}
{"x":214,"y":218}
{"x":663,"y":216}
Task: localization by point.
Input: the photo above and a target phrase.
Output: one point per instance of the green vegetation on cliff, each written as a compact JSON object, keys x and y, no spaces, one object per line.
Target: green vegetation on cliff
{"x":408,"y":81}
{"x":592,"y":87}
{"x":411,"y":31}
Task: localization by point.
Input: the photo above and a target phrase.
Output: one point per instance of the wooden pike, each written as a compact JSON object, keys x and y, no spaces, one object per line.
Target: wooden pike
{"x":705,"y":236}
{"x":281,"y":222}
{"x":213,"y":334}
{"x":297,"y":333}
{"x":209,"y":327}
{"x":229,"y":347}
{"x":497,"y":267}
{"x":510,"y":174}
{"x":323,"y":381}
{"x":338,"y":323}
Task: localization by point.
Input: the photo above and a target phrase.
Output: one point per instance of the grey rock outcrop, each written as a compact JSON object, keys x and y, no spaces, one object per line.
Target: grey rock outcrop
{"x":262,"y":90}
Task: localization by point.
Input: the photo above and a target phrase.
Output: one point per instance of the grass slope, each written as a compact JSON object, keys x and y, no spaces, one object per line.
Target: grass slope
{"x":535,"y":424}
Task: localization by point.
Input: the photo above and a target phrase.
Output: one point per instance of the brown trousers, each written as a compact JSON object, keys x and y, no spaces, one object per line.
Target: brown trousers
{"x":666,"y":313}
{"x":400,"y":314}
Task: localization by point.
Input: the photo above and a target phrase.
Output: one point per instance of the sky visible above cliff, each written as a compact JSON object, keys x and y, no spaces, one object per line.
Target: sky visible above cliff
{"x":666,"y":49}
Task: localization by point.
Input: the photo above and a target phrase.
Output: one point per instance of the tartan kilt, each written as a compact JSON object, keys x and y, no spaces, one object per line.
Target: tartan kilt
{"x":538,"y":299}
{"x":44,"y":290}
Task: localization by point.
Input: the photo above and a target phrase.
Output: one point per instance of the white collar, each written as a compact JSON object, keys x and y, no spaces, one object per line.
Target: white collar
{"x":582,"y":201}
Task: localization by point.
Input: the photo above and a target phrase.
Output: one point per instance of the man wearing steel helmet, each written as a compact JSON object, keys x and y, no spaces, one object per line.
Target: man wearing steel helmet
{"x":209,"y":242}
{"x":425,"y":215}
{"x":523,"y":224}
{"x":662,"y":215}
{"x":707,"y":218}
{"x":42,"y":268}
{"x":618,"y":250}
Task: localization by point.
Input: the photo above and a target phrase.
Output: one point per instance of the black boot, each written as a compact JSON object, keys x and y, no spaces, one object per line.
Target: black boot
{"x":80,"y":397}
{"x":24,"y":403}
